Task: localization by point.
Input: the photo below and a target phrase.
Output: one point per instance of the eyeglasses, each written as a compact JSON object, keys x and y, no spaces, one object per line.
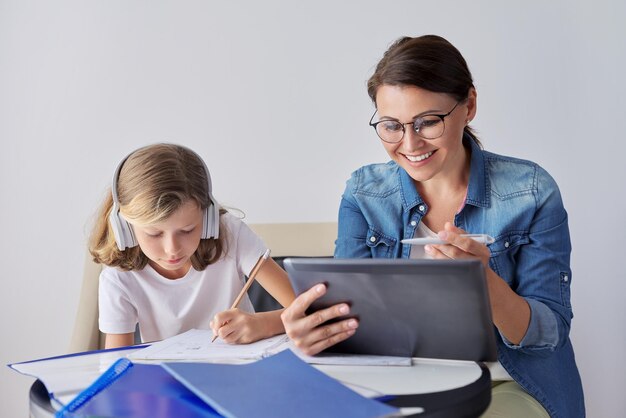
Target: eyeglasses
{"x":427,"y":126}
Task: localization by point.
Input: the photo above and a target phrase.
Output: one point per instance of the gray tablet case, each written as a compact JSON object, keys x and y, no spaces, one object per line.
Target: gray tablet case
{"x":410,"y":308}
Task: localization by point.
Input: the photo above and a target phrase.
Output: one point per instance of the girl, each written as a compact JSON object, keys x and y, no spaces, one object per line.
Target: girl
{"x":440,"y":182}
{"x":175,"y":260}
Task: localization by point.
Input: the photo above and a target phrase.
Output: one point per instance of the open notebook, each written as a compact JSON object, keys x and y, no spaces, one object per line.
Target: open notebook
{"x":196,"y":345}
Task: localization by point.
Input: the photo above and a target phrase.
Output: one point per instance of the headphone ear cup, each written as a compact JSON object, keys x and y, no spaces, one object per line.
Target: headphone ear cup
{"x":205,"y":224}
{"x":123,"y":232}
{"x":215,"y":210}
{"x":127,"y":229}
{"x":211,"y":222}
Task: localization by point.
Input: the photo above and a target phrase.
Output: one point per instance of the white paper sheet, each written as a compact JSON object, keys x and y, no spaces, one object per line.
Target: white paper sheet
{"x":196,"y":345}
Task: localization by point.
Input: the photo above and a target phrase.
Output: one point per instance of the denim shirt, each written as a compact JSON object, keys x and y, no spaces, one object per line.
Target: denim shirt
{"x":519,"y":204}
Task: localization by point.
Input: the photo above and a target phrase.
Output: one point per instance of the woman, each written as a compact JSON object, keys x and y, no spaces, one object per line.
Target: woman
{"x":441,"y":183}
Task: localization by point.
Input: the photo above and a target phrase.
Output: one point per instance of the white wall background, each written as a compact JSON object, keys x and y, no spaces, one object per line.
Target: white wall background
{"x":272,"y":94}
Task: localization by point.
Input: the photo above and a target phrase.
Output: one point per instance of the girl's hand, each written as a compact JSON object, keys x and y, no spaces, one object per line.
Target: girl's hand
{"x":308,"y":332}
{"x":238,"y":327}
{"x":458,"y":247}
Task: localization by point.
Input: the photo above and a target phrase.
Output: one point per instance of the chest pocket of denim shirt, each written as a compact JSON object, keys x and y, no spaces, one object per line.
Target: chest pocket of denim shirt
{"x":503,"y":252}
{"x":381,"y":245}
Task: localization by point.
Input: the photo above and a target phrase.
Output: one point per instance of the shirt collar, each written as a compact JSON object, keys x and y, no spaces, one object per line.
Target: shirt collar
{"x":478,"y":190}
{"x":408,"y":191}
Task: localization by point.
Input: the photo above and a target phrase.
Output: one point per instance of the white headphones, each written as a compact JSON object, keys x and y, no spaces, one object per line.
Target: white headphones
{"x":124,"y":235}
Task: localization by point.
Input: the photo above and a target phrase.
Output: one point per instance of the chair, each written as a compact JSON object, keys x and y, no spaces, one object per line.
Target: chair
{"x":86,"y":335}
{"x":314,"y":239}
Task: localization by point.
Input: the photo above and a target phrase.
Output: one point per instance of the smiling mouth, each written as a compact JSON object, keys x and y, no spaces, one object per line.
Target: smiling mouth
{"x":416,"y":158}
{"x":176,"y":261}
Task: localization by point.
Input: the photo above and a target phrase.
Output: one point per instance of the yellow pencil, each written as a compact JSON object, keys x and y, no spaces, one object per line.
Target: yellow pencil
{"x":251,"y":278}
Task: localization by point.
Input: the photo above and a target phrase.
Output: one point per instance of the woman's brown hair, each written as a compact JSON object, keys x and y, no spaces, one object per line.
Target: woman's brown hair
{"x":429,"y":62}
{"x":153,"y":183}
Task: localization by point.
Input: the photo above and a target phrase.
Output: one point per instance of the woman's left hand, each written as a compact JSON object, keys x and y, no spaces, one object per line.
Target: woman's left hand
{"x":458,"y":247}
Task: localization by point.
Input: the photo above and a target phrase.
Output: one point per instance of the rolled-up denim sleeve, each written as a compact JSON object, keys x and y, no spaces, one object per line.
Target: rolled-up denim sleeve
{"x":542,"y":332}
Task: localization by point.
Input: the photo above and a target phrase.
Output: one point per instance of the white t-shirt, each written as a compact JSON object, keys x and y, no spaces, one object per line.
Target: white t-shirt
{"x":422,"y":231}
{"x":163,"y":307}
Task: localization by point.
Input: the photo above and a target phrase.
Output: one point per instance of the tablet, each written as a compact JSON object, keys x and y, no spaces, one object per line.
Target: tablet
{"x":410,"y":308}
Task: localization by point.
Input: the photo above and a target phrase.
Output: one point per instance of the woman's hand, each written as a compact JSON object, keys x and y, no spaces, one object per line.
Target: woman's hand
{"x":458,"y":247}
{"x":308,"y":332}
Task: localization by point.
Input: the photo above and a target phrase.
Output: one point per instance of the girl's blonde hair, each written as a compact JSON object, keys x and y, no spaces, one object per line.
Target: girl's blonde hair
{"x":153,"y":183}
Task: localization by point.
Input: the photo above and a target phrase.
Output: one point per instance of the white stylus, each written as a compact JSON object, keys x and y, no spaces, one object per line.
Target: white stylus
{"x":482,"y":238}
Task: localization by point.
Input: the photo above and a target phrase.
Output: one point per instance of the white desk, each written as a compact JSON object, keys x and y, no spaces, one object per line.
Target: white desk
{"x":436,"y":387}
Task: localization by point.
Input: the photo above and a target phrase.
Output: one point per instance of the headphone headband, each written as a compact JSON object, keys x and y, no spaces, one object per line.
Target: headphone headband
{"x":123,"y":231}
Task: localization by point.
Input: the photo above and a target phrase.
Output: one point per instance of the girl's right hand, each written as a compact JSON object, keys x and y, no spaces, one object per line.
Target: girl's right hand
{"x":308,"y":332}
{"x":235,"y":326}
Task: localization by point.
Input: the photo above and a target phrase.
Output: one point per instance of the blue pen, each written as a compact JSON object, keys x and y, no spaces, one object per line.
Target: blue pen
{"x":482,"y":238}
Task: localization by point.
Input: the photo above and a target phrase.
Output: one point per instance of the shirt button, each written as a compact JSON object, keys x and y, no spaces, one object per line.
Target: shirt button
{"x":565,"y":278}
{"x":413,"y":223}
{"x":373,"y":239}
{"x":506,"y":244}
{"x":421,"y":208}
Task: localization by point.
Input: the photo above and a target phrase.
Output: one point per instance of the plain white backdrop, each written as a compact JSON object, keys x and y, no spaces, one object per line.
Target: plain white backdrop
{"x":272,"y":94}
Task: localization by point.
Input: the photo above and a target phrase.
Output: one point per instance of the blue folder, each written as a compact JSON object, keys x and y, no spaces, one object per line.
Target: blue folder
{"x":137,"y":390}
{"x":280,"y":386}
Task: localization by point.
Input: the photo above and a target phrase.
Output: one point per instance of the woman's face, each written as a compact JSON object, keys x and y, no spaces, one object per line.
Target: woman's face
{"x":425,"y":159}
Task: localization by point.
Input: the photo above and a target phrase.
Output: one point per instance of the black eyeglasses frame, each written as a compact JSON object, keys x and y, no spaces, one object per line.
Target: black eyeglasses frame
{"x":416,"y":130}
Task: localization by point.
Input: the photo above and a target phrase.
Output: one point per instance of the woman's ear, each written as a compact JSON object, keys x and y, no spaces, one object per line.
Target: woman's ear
{"x":471,"y":105}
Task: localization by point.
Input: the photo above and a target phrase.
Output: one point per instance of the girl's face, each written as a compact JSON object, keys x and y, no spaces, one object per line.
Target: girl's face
{"x":425,"y":159}
{"x":170,"y":244}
